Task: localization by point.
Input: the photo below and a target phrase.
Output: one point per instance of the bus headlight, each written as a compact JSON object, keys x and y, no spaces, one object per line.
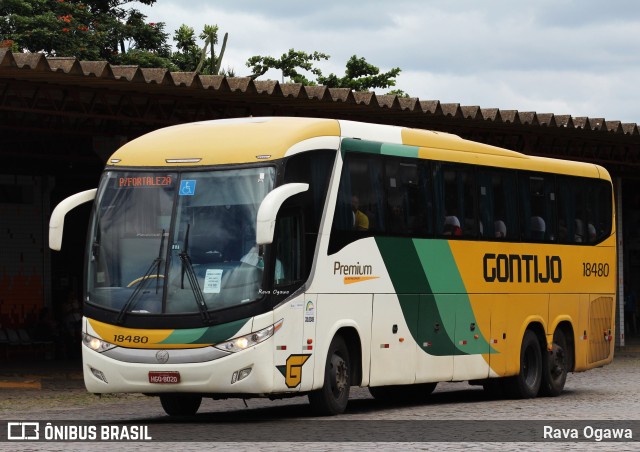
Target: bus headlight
{"x":95,"y":344}
{"x":243,"y":342}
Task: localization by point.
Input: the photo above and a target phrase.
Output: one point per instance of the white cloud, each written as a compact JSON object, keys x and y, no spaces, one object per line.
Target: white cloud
{"x":561,"y":56}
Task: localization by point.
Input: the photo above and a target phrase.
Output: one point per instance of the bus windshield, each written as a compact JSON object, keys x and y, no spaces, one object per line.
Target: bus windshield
{"x":170,"y":242}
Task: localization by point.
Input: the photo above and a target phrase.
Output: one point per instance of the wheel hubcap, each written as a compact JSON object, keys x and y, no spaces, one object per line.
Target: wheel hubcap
{"x":339,"y":375}
{"x":557,"y":361}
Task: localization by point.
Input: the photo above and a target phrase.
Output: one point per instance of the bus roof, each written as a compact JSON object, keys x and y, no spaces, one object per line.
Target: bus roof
{"x":247,"y":140}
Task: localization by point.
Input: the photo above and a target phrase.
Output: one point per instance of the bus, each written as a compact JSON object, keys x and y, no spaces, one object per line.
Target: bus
{"x":276,"y":257}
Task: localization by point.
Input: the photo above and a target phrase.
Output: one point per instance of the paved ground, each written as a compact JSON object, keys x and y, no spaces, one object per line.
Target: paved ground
{"x":609,"y":392}
{"x":57,"y":393}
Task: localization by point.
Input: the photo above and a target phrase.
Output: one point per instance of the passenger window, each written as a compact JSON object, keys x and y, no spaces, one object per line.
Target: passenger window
{"x":360,"y":205}
{"x":456,"y":200}
{"x":537,"y":204}
{"x":407,"y":206}
{"x":599,"y":212}
{"x":498,"y":207}
{"x":572,"y":221}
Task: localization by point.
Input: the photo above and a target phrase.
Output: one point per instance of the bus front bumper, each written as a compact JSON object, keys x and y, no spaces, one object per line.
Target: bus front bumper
{"x":250,"y":371}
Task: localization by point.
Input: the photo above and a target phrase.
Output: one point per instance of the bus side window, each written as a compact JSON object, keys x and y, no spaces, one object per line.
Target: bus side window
{"x":599,"y":211}
{"x":498,"y":207}
{"x":405,"y":215}
{"x":455,"y":194}
{"x":360,"y":204}
{"x":571,"y":210}
{"x":537,"y":207}
{"x":313,"y":168}
{"x":289,"y":252}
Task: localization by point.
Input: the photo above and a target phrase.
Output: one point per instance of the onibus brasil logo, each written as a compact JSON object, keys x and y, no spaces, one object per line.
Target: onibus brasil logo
{"x":56,"y":431}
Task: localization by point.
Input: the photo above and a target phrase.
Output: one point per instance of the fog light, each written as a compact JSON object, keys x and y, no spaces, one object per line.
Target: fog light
{"x":98,"y":374}
{"x":244,"y":373}
{"x":240,"y":375}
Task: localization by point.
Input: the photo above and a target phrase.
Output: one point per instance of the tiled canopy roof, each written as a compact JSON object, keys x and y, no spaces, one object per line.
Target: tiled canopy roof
{"x":35,"y":66}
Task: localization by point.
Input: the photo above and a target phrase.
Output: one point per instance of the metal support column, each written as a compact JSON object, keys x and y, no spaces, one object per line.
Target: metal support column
{"x":618,"y":200}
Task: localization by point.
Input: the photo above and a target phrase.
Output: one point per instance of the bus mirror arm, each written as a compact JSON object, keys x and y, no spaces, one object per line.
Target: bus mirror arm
{"x":56,"y":222}
{"x":268,"y":211}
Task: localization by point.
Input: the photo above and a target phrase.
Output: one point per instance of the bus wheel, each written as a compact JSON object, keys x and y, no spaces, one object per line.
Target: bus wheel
{"x":402,"y":393}
{"x":180,"y":404}
{"x":526,"y":384}
{"x":332,"y":398}
{"x":555,"y":366}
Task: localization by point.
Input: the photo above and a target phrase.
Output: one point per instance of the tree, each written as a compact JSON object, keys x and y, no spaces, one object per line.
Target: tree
{"x":210,"y":35}
{"x":88,"y":30}
{"x":288,"y":63}
{"x":398,"y":92}
{"x":361,"y":76}
{"x":188,"y":53}
{"x":191,"y":58}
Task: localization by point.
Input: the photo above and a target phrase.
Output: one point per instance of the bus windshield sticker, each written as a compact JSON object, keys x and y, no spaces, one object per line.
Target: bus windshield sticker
{"x":188,"y":187}
{"x":212,"y":281}
{"x":144,"y":181}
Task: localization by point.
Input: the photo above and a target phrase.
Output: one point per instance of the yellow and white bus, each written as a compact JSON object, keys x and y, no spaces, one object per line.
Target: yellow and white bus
{"x":273,"y":257}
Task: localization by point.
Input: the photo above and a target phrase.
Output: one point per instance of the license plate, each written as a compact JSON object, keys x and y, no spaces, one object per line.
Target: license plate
{"x":166,"y":378}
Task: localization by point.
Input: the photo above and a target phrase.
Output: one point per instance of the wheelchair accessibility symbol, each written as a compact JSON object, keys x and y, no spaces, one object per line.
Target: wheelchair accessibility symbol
{"x":187,"y":188}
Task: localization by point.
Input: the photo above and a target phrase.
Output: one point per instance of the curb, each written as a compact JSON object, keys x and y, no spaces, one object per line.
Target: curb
{"x":634,"y":349}
{"x":33,"y":383}
{"x":36,"y":379}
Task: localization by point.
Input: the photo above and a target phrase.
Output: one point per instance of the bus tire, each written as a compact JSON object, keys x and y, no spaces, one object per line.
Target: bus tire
{"x":555,"y":366}
{"x":526,"y":384}
{"x":180,"y":404}
{"x":332,"y":398}
{"x":402,"y":393}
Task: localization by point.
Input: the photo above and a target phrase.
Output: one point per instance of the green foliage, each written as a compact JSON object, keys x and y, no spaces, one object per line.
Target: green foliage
{"x":145,"y":58}
{"x":361,"y":76}
{"x":114,"y":31}
{"x":398,"y":92}
{"x":190,"y":57}
{"x":213,"y":63}
{"x":188,"y":54}
{"x":88,"y":30}
{"x":288,"y":63}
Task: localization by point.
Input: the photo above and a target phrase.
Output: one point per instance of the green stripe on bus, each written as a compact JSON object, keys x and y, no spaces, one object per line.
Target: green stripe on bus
{"x":414,"y":293}
{"x":208,"y":335}
{"x":450,"y":292}
{"x":374,"y":147}
{"x":425,"y":276}
{"x":403,"y":264}
{"x":439,"y":266}
{"x":399,"y":150}
{"x":353,"y":145}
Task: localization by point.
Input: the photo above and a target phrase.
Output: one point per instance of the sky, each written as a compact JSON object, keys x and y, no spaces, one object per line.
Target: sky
{"x":575,"y":57}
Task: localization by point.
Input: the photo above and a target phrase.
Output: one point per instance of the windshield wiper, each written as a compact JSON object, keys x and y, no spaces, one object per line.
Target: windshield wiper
{"x":187,"y":267}
{"x":142,"y":284}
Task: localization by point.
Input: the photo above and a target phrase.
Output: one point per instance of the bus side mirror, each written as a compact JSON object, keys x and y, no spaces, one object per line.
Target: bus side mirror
{"x":266,"y":220}
{"x":56,"y":222}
